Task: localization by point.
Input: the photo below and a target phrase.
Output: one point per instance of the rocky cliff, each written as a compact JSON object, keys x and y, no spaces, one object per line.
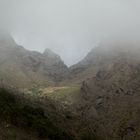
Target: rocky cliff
{"x":23,"y":68}
{"x":109,"y":100}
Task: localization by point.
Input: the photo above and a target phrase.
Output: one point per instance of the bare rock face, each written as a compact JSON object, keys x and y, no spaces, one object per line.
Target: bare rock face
{"x":109,"y":102}
{"x":58,"y":71}
{"x":22,"y":68}
{"x":105,"y":55}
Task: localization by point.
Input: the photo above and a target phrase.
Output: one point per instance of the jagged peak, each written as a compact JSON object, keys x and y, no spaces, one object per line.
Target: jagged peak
{"x":49,"y":53}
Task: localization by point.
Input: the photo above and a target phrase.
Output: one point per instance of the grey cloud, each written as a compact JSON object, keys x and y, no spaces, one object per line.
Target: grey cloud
{"x":69,"y":27}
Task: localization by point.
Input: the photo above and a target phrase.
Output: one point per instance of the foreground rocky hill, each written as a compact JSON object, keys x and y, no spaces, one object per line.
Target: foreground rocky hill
{"x":109,"y":102}
{"x":22,"y":68}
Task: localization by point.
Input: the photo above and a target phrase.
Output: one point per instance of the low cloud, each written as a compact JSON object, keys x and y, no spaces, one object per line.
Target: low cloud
{"x":69,"y":27}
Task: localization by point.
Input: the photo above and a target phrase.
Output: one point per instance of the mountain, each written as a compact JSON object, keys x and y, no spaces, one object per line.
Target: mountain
{"x":23,"y":68}
{"x":105,"y":107}
{"x":105,"y":55}
{"x":109,"y":100}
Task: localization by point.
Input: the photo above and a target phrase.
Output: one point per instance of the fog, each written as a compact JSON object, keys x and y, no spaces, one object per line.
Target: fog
{"x":69,"y":27}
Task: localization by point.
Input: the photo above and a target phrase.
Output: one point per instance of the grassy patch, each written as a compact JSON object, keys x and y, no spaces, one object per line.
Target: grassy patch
{"x":64,"y":94}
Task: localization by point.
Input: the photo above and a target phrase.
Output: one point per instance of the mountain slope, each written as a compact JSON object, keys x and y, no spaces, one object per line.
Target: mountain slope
{"x":22,"y":117}
{"x":105,"y":55}
{"x":109,"y":102}
{"x":22,"y":68}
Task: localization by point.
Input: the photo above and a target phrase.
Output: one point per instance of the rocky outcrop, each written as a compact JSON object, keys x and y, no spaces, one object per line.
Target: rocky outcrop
{"x":53,"y":64}
{"x":105,"y":55}
{"x":109,"y":100}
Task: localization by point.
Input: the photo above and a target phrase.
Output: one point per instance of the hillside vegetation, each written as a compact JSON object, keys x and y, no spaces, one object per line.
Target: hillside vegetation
{"x":21,"y":121}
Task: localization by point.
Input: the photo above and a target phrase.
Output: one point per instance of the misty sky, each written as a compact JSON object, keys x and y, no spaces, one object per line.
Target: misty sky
{"x":69,"y":27}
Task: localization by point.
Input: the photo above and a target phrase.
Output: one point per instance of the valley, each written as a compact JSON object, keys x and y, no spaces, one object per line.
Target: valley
{"x":95,"y":99}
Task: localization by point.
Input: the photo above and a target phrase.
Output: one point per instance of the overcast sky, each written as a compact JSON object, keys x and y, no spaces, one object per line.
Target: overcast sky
{"x":68,"y":27}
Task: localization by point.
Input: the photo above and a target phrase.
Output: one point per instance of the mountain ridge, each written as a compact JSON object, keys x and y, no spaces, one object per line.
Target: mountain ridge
{"x":29,"y":67}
